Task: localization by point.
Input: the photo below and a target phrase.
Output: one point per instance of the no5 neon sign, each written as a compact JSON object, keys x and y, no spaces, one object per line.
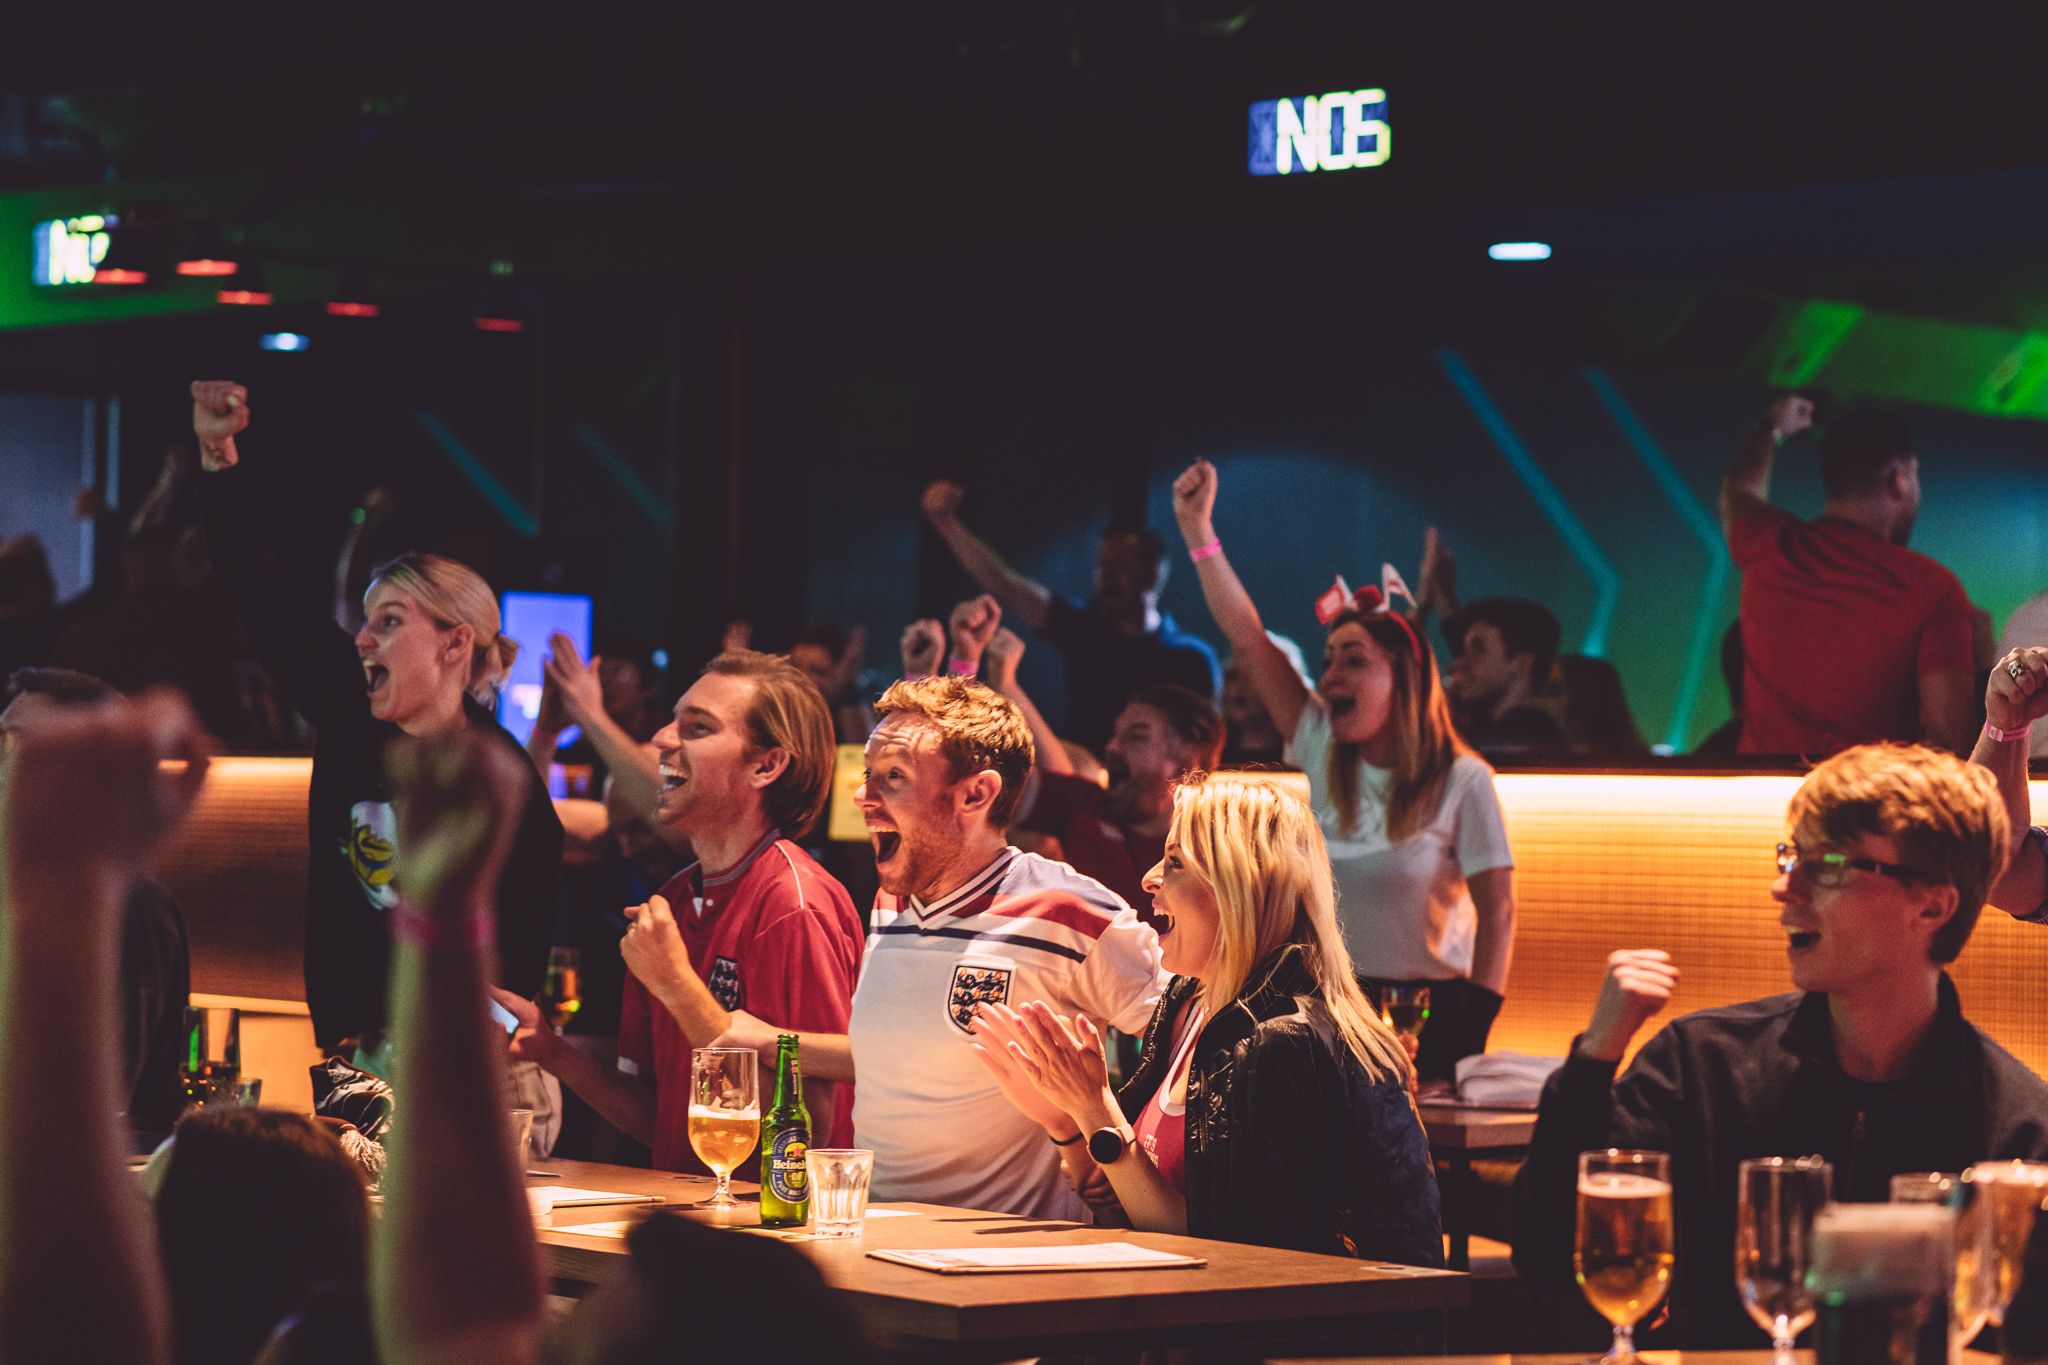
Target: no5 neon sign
{"x":1345,"y":130}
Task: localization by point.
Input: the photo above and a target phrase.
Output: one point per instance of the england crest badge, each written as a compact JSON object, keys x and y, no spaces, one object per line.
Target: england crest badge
{"x":973,"y":986}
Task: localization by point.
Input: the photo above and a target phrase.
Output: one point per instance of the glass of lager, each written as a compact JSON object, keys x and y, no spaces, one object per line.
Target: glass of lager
{"x":725,"y":1114}
{"x":2012,"y":1192}
{"x":1775,"y":1200}
{"x":1624,"y":1249}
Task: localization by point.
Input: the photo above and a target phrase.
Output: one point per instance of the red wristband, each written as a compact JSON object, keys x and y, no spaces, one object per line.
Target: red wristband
{"x":2008,"y":736}
{"x":967,"y":666}
{"x":469,"y":932}
{"x":1202,"y":552}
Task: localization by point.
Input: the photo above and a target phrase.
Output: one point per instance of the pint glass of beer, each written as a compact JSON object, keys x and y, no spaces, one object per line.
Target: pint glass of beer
{"x":1625,"y":1248}
{"x":2011,"y":1192}
{"x":725,"y":1114}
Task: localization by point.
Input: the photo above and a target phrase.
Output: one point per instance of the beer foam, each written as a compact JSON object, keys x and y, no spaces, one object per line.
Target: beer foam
{"x":1622,"y":1185}
{"x":1866,"y":1251}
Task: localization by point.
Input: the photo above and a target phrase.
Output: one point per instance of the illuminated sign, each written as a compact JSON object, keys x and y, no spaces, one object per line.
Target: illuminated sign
{"x":68,"y":249}
{"x":1345,"y":130}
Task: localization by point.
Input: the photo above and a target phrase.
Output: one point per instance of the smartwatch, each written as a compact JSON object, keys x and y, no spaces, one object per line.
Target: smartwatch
{"x":1107,"y":1145}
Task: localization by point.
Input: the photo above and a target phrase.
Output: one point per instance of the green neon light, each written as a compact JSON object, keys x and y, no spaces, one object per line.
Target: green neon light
{"x":2016,"y":380}
{"x":1807,"y":340}
{"x":613,"y":463}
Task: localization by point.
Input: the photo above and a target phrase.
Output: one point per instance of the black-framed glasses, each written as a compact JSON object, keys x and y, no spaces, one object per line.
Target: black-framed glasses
{"x":1831,"y":869}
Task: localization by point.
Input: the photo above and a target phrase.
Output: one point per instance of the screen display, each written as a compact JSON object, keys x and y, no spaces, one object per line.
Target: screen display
{"x":530,"y":618}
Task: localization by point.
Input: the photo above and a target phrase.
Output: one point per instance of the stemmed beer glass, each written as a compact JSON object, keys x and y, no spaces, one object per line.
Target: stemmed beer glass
{"x":725,"y":1114}
{"x":1624,"y":1248}
{"x":2012,"y":1192}
{"x":1776,"y":1198}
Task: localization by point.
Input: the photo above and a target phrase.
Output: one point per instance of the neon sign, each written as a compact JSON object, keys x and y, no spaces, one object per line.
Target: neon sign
{"x":1345,"y":130}
{"x":67,"y":250}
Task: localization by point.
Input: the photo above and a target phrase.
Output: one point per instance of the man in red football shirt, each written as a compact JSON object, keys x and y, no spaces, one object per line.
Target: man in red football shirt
{"x":746,"y":760}
{"x":1847,"y":635}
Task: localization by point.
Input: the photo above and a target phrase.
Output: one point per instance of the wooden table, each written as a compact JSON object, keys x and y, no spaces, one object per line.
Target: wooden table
{"x":1456,"y":1133}
{"x":1243,"y":1293}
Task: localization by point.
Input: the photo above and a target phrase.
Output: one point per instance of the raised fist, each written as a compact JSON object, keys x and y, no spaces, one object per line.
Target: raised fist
{"x":1005,"y":651}
{"x":1639,"y":982}
{"x":974,"y":621}
{"x":220,"y":412}
{"x":459,"y":800}
{"x":2017,"y":693}
{"x":921,"y":643}
{"x":942,"y":499}
{"x":1194,"y":501}
{"x":1790,"y":415}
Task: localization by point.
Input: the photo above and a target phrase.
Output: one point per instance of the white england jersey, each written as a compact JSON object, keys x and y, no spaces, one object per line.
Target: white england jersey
{"x":1024,"y":928}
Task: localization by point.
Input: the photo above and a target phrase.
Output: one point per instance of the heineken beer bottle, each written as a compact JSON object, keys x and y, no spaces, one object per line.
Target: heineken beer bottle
{"x":785,"y":1137}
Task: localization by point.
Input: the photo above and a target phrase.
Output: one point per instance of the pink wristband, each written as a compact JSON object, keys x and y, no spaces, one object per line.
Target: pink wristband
{"x":969,"y":667}
{"x":412,"y":926}
{"x":1202,"y":552}
{"x":2008,"y":736}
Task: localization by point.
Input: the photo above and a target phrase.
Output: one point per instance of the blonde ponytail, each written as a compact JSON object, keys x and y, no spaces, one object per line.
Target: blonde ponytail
{"x":456,"y":595}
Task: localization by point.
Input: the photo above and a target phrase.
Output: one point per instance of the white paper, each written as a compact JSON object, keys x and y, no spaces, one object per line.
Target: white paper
{"x":569,"y":1197}
{"x":1092,"y":1256}
{"x":618,"y":1228}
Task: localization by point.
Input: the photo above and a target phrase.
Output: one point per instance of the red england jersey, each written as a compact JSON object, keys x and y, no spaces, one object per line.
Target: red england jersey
{"x":776,"y":936}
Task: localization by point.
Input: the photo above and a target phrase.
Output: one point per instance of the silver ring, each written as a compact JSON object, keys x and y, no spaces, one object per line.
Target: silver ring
{"x":2012,"y":666}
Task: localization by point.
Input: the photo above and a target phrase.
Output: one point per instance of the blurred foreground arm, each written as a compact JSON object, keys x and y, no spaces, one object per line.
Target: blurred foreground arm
{"x":83,"y":805}
{"x":455,"y":1275}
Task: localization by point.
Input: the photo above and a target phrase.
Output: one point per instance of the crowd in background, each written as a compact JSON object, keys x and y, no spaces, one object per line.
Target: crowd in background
{"x":1176,"y":1001}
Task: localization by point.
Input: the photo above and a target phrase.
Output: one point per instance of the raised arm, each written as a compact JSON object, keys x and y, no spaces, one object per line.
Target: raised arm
{"x":83,"y":803}
{"x":311,"y":658}
{"x":1747,"y":484}
{"x":1005,"y":651}
{"x":636,"y":780}
{"x":1023,"y":597}
{"x":455,"y":1273}
{"x":1279,"y":687}
{"x":2014,"y":698}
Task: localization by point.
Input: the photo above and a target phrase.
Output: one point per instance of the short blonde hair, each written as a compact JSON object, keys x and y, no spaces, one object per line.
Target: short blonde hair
{"x":978,"y":728}
{"x":1260,"y":851}
{"x":456,"y":595}
{"x":787,"y":712}
{"x":1945,"y":815}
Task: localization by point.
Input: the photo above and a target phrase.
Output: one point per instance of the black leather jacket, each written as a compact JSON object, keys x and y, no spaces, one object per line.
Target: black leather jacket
{"x":1288,"y":1143}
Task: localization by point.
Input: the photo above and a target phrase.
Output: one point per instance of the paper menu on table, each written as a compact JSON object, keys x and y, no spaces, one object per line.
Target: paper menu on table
{"x":996,"y":1260}
{"x":569,"y":1197}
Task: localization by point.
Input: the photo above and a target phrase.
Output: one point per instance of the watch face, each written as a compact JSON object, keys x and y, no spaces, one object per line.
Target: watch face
{"x":1105,"y":1145}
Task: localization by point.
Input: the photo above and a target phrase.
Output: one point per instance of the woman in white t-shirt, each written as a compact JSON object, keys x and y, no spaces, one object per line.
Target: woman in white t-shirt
{"x":1424,"y":876}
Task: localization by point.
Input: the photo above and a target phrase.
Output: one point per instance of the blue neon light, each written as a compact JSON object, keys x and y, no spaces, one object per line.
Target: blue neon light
{"x":1345,"y":130}
{"x":1545,"y":494}
{"x":283,"y":341}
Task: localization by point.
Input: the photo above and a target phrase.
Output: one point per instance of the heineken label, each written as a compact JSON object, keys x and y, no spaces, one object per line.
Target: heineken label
{"x":788,"y":1178}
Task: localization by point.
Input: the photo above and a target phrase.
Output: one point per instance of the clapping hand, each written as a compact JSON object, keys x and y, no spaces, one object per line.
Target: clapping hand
{"x":220,"y":412}
{"x":1063,"y":1059}
{"x":577,"y":683}
{"x":993,"y":1035}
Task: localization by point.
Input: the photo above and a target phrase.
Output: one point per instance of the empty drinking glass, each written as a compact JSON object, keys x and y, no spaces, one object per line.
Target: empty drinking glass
{"x":839,"y":1189}
{"x":1775,"y":1200}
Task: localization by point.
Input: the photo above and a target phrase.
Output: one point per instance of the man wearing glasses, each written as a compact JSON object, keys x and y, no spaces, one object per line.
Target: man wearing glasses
{"x":1869,"y":1064}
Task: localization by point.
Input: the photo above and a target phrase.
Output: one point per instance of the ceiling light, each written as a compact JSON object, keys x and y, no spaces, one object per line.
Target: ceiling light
{"x":1519,"y":251}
